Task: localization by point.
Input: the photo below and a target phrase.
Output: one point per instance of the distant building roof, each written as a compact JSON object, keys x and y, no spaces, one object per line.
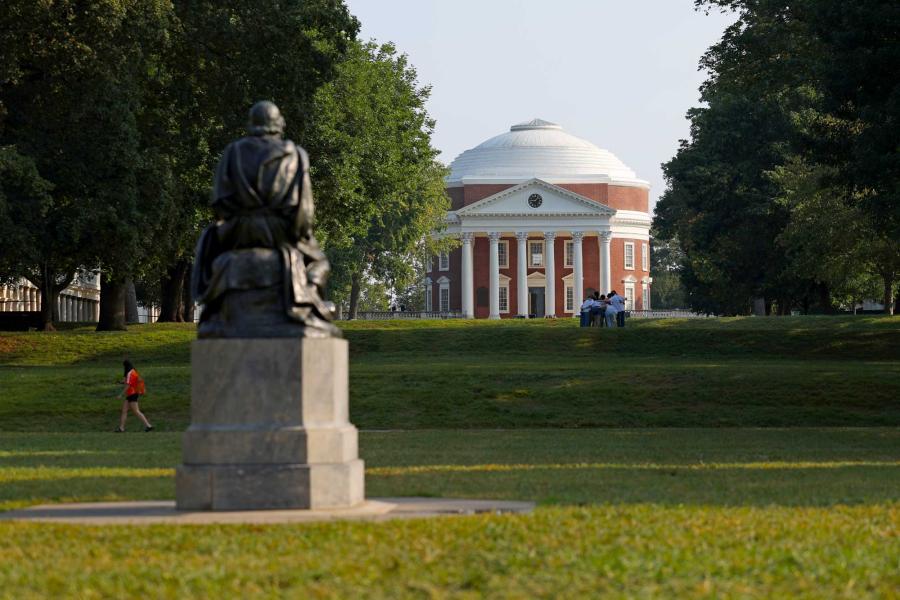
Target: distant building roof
{"x":539,"y":149}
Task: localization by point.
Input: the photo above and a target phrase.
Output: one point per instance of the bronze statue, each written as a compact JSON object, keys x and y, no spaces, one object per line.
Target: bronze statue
{"x":258,"y":271}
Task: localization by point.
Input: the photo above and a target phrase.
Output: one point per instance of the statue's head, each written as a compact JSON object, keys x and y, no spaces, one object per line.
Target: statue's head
{"x":265,"y":119}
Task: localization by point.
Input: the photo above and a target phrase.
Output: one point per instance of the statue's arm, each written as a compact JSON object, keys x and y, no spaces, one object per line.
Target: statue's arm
{"x":306,"y":208}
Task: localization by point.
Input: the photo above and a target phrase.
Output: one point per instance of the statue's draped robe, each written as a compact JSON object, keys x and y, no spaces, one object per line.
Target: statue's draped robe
{"x":261,"y":251}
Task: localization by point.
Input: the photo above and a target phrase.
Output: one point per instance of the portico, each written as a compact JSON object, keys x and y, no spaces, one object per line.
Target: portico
{"x":550,"y":229}
{"x":543,"y":218}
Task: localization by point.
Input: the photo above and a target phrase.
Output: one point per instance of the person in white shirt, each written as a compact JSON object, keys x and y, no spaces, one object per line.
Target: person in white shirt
{"x":610,"y":312}
{"x":586,"y":307}
{"x":618,"y":304}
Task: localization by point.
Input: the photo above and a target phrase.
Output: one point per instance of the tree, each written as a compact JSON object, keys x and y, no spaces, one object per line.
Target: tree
{"x":77,"y":95}
{"x":35,"y":232}
{"x":811,"y":81}
{"x":380,"y":190}
{"x":223,"y":58}
{"x":832,"y":238}
{"x":666,"y":260}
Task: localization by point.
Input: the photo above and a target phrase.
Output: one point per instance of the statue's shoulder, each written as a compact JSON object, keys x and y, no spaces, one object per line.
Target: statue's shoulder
{"x":293,"y":148}
{"x":236,"y":145}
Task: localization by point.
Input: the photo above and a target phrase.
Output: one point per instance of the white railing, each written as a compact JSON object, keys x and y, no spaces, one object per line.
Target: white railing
{"x":385,"y":315}
{"x":680,"y":313}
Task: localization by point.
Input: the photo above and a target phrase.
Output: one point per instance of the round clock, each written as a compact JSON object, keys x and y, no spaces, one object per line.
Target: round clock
{"x":535,"y":200}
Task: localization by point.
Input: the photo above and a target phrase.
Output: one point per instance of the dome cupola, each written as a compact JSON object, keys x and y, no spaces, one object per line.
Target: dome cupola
{"x":539,"y":149}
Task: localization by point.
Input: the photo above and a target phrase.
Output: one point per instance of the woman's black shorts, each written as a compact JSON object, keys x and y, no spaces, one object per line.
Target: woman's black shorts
{"x":134,"y":397}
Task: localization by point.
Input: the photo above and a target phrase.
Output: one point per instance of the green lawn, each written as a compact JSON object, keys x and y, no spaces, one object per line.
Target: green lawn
{"x":747,"y":458}
{"x":801,"y":371}
{"x":630,"y":512}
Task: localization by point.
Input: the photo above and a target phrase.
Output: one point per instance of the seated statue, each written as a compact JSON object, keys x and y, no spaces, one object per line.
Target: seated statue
{"x":258,"y":270}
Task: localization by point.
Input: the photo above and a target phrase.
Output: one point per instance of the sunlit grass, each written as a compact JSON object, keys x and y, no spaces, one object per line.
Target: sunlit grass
{"x":560,"y":552}
{"x":664,"y":466}
{"x":771,"y":511}
{"x":643,"y":512}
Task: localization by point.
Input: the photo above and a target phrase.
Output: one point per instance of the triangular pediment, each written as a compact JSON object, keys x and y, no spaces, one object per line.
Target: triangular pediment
{"x":535,"y":198}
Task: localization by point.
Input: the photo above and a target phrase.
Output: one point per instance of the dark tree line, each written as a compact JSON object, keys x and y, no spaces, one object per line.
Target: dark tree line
{"x":113,"y":115}
{"x":788,"y":189}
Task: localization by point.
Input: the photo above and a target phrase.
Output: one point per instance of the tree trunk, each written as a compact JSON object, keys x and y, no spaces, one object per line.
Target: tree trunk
{"x":171,"y":309}
{"x":51,"y":284}
{"x":48,"y":307}
{"x":888,"y":294}
{"x":112,"y":305}
{"x":825,"y":299}
{"x":355,"y":281}
{"x":131,"y":310}
{"x":187,"y":301}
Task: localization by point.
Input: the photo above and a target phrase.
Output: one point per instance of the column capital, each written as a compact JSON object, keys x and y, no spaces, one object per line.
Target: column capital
{"x":605,"y":236}
{"x":521,"y":235}
{"x":467,"y":237}
{"x":577,"y":236}
{"x":549,"y":235}
{"x":494,"y":236}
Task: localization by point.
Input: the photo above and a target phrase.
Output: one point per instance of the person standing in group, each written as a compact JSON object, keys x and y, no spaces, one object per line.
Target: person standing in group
{"x":586,"y":307}
{"x":618,"y":302}
{"x":600,"y":310}
{"x":610,"y":310}
{"x":131,"y":394}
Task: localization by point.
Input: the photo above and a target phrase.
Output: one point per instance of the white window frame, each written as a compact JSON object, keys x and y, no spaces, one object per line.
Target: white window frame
{"x":645,"y":296}
{"x":629,"y":296}
{"x":625,"y":256}
{"x":569,"y":253}
{"x":531,"y":254}
{"x":569,"y":288}
{"x":444,"y":261}
{"x":429,"y":296}
{"x":504,"y":264}
{"x":645,"y":257}
{"x":444,"y":287}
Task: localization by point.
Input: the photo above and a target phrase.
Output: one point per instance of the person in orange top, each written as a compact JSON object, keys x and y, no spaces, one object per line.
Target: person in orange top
{"x":132,"y":392}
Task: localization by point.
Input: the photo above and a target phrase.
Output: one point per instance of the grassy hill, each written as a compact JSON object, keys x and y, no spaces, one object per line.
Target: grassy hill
{"x":801,"y":371}
{"x":795,"y":511}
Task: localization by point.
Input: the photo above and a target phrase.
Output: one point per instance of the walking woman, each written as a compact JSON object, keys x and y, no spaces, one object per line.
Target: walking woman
{"x":132,"y":392}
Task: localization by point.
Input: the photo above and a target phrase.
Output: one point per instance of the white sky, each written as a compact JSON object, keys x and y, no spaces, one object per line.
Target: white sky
{"x":621,"y":74}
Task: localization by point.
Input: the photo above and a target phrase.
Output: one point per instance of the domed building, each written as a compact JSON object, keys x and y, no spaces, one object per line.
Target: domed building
{"x":545,"y":218}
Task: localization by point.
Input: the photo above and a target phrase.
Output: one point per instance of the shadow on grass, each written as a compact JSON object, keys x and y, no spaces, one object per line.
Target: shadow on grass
{"x":717,"y":467}
{"x":735,"y":485}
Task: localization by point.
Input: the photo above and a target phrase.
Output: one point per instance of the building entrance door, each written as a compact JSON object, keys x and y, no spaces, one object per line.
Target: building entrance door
{"x":535,"y":302}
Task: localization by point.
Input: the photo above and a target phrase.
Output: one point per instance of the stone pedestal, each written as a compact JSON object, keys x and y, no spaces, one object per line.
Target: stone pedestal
{"x":269,"y":427}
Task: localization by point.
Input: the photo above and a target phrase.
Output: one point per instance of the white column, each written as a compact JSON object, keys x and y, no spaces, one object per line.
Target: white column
{"x":468,"y":276}
{"x":605,"y":268}
{"x":550,"y":273}
{"x":522,"y":274}
{"x":37,"y":300}
{"x":96,"y":307}
{"x":578,"y":284}
{"x":495,"y":274}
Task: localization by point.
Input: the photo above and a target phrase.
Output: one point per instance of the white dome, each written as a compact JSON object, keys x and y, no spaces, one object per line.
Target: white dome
{"x":540,"y":149}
